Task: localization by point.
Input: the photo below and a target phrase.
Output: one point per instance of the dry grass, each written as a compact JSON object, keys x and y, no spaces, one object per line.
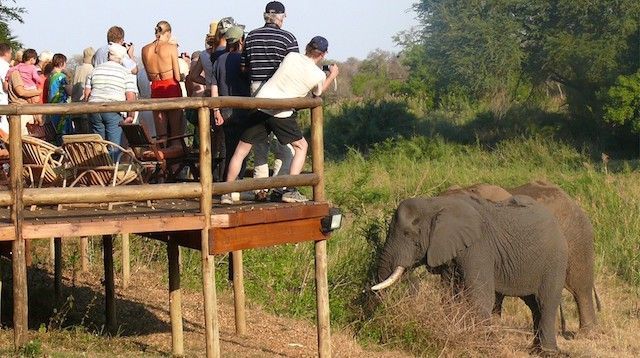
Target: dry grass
{"x":424,"y":320}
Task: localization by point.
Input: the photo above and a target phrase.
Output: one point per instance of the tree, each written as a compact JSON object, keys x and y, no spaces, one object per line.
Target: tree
{"x":7,"y":14}
{"x":380,"y":74}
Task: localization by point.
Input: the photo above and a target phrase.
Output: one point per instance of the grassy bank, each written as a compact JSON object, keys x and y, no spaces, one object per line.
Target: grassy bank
{"x":367,"y":184}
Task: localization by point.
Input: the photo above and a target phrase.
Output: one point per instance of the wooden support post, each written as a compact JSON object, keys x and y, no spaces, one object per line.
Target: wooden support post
{"x":27,"y":253}
{"x":0,"y":291}
{"x":84,"y":253}
{"x":52,"y":251}
{"x":126,"y":261}
{"x":208,"y":265}
{"x":109,"y":284}
{"x":57,"y":269}
{"x":238,"y":293}
{"x":175,"y":298}
{"x":322,"y":285}
{"x":20,"y":297}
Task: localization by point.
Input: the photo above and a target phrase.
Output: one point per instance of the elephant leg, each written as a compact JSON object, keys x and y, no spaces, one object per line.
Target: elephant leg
{"x":480,"y":289}
{"x":586,"y":308}
{"x":497,"y":306}
{"x":532,"y":303}
{"x":548,"y":302}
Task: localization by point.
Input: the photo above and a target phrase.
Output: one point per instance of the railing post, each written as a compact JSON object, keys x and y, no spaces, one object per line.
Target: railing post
{"x":208,"y":264}
{"x":20,"y":304}
{"x":322,"y":285}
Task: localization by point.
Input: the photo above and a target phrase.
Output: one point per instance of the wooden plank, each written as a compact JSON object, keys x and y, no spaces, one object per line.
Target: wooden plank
{"x":112,"y":226}
{"x":262,"y":235}
{"x":161,"y":105}
{"x":273,"y":215}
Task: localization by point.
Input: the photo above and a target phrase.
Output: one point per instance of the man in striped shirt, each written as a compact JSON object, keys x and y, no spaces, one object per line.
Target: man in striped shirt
{"x":110,"y":82}
{"x":265,"y":48}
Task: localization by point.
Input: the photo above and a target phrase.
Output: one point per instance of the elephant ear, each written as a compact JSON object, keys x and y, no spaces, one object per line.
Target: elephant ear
{"x":456,"y":226}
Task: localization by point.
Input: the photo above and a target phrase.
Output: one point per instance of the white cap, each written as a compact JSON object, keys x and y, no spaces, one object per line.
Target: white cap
{"x":117,"y":51}
{"x":45,"y":56}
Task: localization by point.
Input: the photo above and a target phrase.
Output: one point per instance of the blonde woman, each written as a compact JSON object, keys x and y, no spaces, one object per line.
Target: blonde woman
{"x":160,"y":59}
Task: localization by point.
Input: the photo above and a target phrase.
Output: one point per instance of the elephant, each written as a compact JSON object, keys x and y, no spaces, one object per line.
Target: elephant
{"x":576,"y":228}
{"x":514,"y":248}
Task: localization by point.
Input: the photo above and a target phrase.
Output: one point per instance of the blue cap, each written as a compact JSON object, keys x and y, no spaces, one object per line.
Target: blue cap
{"x":319,"y":43}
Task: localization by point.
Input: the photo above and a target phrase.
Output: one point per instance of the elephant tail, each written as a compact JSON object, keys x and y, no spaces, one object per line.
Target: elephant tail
{"x":595,"y":294}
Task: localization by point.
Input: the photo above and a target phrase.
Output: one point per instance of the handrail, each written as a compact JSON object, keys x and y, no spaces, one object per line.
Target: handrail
{"x":51,"y":196}
{"x":161,"y":105}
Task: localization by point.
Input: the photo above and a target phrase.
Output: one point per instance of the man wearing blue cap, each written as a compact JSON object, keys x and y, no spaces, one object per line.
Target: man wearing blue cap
{"x":265,"y":48}
{"x":297,"y":75}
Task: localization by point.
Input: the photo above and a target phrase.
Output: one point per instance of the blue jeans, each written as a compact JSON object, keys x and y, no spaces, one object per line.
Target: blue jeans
{"x":106,"y":124}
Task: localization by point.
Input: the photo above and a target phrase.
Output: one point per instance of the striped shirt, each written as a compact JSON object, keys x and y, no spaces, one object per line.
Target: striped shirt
{"x":109,"y":81}
{"x":265,"y":48}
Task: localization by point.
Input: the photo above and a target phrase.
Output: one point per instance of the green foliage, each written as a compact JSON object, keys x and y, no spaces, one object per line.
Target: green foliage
{"x":479,"y":52}
{"x":361,"y":124}
{"x":379,"y":75}
{"x":622,"y":102}
{"x":7,"y":14}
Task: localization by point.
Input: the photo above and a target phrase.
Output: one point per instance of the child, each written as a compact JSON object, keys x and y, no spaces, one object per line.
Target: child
{"x":30,"y":76}
{"x":59,"y":91}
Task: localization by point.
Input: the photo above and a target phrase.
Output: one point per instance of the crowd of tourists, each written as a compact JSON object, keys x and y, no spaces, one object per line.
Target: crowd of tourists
{"x":265,"y":63}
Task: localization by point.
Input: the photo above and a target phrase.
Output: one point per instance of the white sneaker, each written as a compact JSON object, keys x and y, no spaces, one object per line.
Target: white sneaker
{"x":294,"y":196}
{"x":226,"y":199}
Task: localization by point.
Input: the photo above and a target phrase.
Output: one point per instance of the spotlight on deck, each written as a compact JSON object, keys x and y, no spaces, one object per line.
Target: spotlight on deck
{"x":332,"y":221}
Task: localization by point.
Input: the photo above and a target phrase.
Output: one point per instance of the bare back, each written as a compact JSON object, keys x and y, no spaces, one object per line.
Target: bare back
{"x":160,"y":60}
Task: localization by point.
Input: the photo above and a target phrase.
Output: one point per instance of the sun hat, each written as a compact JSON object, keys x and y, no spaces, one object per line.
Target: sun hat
{"x":213,"y":27}
{"x":225,"y":24}
{"x":234,"y":34}
{"x":117,"y":51}
{"x":274,"y":7}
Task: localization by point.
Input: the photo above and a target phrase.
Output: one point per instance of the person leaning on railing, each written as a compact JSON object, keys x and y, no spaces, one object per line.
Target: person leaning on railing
{"x":297,"y":75}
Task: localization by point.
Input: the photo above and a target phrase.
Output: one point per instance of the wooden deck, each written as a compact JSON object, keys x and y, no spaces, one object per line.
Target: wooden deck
{"x":233,"y":227}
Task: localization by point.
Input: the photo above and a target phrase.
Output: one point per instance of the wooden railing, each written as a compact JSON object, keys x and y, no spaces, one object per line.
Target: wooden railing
{"x":18,"y":197}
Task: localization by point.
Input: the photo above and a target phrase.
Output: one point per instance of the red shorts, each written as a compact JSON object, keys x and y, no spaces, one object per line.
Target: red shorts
{"x":168,"y":88}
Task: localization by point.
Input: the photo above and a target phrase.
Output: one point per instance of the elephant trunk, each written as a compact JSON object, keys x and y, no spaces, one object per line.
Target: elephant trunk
{"x":390,"y":280}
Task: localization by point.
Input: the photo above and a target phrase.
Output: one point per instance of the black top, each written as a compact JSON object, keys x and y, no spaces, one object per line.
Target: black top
{"x":265,"y":47}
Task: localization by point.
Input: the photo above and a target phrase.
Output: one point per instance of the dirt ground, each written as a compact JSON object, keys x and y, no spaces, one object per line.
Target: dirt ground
{"x":143,"y":316}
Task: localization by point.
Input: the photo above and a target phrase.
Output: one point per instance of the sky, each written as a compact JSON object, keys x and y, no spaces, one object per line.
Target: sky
{"x":353,"y":28}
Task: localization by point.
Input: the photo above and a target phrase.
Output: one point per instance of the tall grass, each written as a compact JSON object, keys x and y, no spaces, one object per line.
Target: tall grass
{"x":369,"y":187}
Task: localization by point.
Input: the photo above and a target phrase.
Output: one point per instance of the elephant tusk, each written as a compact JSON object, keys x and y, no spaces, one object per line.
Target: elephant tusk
{"x":390,"y":280}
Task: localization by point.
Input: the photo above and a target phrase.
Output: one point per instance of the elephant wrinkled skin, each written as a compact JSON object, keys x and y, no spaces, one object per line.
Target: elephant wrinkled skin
{"x":576,"y":228}
{"x":514,"y":248}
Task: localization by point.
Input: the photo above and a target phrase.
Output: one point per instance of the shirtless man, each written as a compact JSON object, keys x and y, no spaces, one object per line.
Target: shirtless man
{"x":160,"y":59}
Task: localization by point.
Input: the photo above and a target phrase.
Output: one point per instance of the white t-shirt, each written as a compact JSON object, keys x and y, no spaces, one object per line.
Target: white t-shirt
{"x":4,"y":97}
{"x":296,"y":76}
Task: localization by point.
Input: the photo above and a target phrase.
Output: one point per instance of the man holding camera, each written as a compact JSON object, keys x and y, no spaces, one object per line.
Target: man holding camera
{"x":297,"y":75}
{"x":115,"y":35}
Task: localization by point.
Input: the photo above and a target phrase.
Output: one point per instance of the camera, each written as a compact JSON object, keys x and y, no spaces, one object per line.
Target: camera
{"x":325,"y":68}
{"x":127,"y":45}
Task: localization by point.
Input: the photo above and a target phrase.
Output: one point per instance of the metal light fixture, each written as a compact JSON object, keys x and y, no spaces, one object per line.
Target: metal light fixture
{"x":332,"y":221}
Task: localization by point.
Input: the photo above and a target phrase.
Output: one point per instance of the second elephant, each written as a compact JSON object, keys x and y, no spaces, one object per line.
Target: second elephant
{"x":576,"y":228}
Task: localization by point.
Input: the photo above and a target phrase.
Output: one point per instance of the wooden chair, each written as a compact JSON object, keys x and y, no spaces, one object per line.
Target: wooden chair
{"x":91,"y":163}
{"x":159,"y":167}
{"x":45,"y":132}
{"x":42,"y":162}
